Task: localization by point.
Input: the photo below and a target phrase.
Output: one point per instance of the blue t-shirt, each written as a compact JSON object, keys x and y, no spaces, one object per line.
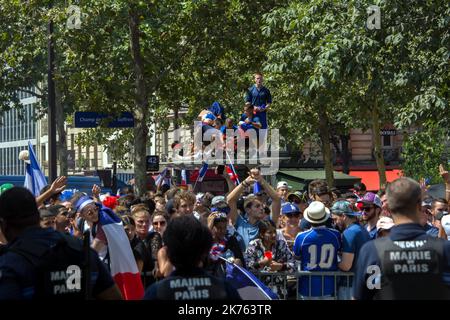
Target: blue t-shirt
{"x":369,"y":256}
{"x":248,"y":126}
{"x":353,"y":238}
{"x":373,"y":232}
{"x":318,"y":251}
{"x":259,"y":97}
{"x":224,"y":129}
{"x":246,"y":230}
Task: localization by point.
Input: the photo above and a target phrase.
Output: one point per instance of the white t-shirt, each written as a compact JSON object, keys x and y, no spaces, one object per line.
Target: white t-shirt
{"x":445,"y":222}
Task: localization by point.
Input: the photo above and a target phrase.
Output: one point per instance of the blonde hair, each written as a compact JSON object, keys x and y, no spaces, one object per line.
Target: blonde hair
{"x":138,"y":209}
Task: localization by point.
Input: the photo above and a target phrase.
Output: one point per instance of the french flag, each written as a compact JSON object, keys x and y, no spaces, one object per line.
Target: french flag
{"x":34,"y":178}
{"x":162,"y":179}
{"x":123,"y":265}
{"x":184,"y":177}
{"x":232,"y":173}
{"x":202,"y":172}
{"x":247,"y":284}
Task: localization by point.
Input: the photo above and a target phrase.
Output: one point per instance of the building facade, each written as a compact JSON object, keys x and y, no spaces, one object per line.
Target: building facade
{"x":17,"y":127}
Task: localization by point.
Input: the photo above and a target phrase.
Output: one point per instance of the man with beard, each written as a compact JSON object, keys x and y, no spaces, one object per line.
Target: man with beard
{"x":371,"y":209}
{"x":353,"y":237}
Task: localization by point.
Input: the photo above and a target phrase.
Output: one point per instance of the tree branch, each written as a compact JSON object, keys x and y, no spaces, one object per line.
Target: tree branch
{"x":37,"y":95}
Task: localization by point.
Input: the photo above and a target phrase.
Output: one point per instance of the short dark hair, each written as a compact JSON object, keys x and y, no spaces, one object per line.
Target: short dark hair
{"x":18,"y":208}
{"x":318,"y":187}
{"x":265,"y":225}
{"x":438,"y":200}
{"x":403,"y":195}
{"x":188,"y":242}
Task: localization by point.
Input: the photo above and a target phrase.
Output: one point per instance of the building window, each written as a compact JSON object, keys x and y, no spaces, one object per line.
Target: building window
{"x":387,"y":141}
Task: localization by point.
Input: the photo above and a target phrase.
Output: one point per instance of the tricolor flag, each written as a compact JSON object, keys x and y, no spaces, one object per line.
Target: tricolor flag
{"x":185,"y":177}
{"x":232,"y":173}
{"x":202,"y":172}
{"x":123,"y":265}
{"x":162,"y":179}
{"x":34,"y":178}
{"x":247,"y":284}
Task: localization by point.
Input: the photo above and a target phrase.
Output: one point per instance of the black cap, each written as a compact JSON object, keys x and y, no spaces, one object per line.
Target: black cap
{"x":17,"y":203}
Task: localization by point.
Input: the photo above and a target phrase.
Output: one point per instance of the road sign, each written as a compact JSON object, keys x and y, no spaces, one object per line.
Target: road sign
{"x":93,"y":120}
{"x":152,"y":163}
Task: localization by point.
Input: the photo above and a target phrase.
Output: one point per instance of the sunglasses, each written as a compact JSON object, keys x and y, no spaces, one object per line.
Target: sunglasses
{"x":160,"y":223}
{"x":366,"y":208}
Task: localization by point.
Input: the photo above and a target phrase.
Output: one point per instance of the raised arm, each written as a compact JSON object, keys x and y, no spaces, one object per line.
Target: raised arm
{"x":233,"y":197}
{"x":446,"y":177}
{"x":57,"y":186}
{"x":276,"y":199}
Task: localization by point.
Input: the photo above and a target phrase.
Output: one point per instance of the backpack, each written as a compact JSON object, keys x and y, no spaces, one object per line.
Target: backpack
{"x":61,"y":271}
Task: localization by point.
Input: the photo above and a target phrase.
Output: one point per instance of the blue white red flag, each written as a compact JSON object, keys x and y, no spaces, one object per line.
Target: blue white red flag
{"x":202,"y":172}
{"x":34,"y":178}
{"x":124,"y":269}
{"x":247,"y":284}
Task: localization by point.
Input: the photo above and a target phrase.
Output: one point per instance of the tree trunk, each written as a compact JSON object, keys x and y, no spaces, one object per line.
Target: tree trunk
{"x":326,"y":148}
{"x":345,"y":153}
{"x":141,"y":111}
{"x":377,"y":144}
{"x":61,"y":146}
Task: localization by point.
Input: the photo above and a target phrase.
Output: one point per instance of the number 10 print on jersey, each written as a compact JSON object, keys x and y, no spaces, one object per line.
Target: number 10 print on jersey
{"x":317,"y":249}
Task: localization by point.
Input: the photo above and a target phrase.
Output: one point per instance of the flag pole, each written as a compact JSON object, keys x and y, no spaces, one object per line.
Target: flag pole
{"x":232,"y":166}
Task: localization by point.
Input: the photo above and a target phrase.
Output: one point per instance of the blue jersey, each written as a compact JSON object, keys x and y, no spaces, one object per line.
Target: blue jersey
{"x":318,"y":251}
{"x":259,"y":98}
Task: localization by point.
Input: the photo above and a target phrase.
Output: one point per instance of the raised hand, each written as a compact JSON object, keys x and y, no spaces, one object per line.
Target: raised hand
{"x":96,"y":190}
{"x":59,"y":184}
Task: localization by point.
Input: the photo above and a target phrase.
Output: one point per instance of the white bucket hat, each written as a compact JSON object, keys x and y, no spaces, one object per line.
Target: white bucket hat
{"x":316,"y":213}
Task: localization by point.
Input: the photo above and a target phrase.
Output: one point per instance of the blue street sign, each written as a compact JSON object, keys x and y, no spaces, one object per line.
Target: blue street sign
{"x":93,"y":119}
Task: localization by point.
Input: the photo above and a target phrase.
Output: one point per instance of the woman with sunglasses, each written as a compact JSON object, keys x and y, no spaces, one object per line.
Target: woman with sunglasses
{"x":291,"y":215}
{"x":159,"y":222}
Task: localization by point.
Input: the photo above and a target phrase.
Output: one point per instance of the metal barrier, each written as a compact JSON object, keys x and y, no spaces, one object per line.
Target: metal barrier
{"x":286,"y":284}
{"x":302,"y":285}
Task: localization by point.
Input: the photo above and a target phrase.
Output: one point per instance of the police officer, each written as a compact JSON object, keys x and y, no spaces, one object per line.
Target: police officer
{"x":408,"y":264}
{"x":188,"y":244}
{"x":41,"y":263}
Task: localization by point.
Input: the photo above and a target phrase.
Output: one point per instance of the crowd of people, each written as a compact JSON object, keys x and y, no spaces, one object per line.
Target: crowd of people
{"x":276,"y":230}
{"x":391,"y":243}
